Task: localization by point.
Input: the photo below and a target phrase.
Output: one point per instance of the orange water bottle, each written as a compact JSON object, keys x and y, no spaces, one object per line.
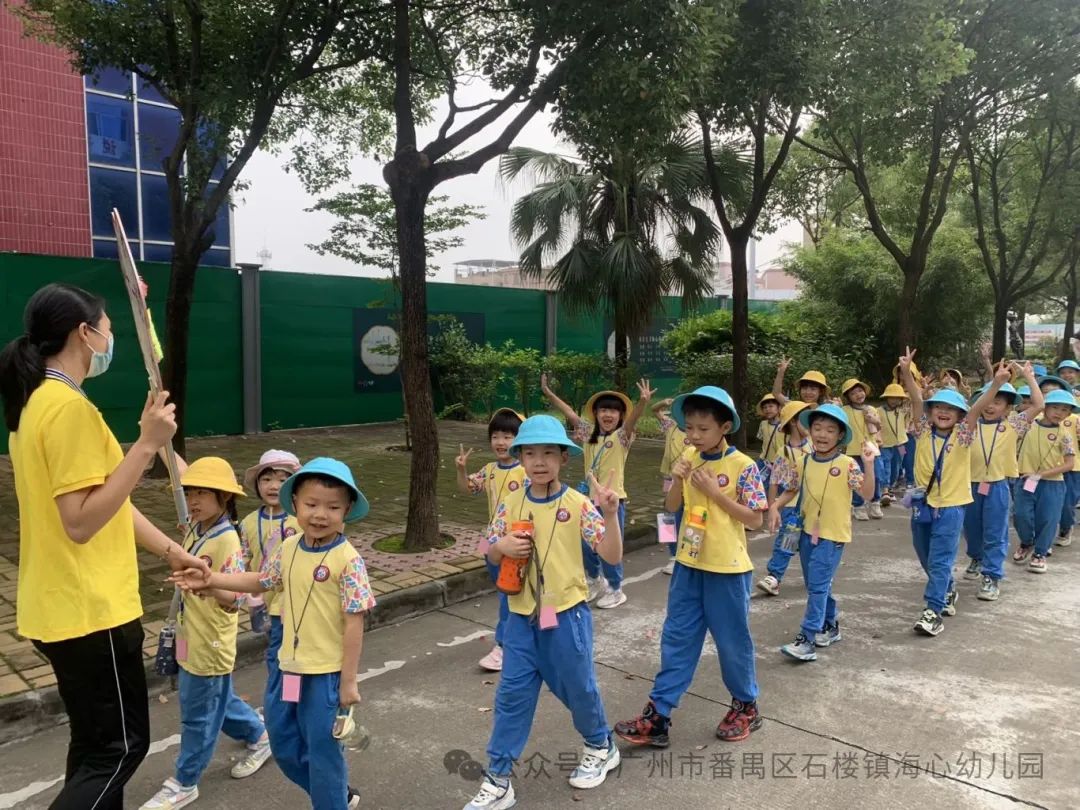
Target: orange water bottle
{"x":511,"y":579}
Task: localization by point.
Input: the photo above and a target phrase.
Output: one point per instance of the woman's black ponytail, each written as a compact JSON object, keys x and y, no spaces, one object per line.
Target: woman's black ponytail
{"x":50,"y":316}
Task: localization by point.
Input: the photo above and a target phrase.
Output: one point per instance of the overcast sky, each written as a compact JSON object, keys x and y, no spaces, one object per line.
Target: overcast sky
{"x":270,"y":214}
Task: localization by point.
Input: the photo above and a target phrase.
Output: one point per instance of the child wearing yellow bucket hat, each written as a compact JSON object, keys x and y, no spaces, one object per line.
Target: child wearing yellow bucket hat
{"x":768,"y":433}
{"x":206,"y":641}
{"x":606,"y":440}
{"x":894,"y":437}
{"x":812,"y":387}
{"x":865,"y":426}
{"x":496,"y":479}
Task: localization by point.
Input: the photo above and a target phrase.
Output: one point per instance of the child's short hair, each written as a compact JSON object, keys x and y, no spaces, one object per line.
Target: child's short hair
{"x":504,"y":421}
{"x":818,"y":415}
{"x":326,"y":480}
{"x":226,"y":500}
{"x":695,"y":405}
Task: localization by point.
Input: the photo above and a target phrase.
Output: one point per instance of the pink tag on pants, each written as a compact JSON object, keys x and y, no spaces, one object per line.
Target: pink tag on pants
{"x":984,"y":488}
{"x":815,"y":533}
{"x":1030,"y":483}
{"x":290,"y":687}
{"x":548,"y":617}
{"x":903,"y":450}
{"x":181,"y":650}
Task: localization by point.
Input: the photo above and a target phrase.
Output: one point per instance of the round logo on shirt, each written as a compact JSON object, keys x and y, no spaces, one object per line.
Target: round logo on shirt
{"x":513,"y":486}
{"x":686,"y":442}
{"x":609,"y":444}
{"x":562,"y":515}
{"x":321,"y":574}
{"x":208,"y":560}
{"x":834,"y":471}
{"x":1001,"y":428}
{"x":1067,"y":423}
{"x":1052,"y":437}
{"x":290,"y":532}
{"x":723,"y":480}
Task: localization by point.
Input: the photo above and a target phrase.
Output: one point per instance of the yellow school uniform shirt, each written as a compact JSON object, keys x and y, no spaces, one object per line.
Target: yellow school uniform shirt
{"x":1045,"y":447}
{"x":952,"y":485}
{"x":825,"y":486}
{"x":66,"y":589}
{"x":723,"y":546}
{"x":859,"y":429}
{"x":1072,"y":423}
{"x":994,"y":448}
{"x":497,"y":480}
{"x":606,"y":456}
{"x":794,"y":454}
{"x":318,"y":585}
{"x":675,"y":444}
{"x":209,"y":629}
{"x":260,"y":536}
{"x":771,"y":439}
{"x":560,"y":522}
{"x":894,"y":426}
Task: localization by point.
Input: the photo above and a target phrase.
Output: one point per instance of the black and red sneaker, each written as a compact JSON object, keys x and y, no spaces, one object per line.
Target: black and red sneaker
{"x":739,"y":722}
{"x":651,"y":728}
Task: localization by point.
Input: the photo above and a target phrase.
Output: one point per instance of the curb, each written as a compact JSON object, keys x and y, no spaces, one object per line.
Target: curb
{"x":31,"y":712}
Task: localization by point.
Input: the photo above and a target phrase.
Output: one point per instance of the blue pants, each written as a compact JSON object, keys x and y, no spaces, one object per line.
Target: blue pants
{"x":781,"y":558}
{"x":986,"y":528}
{"x":936,"y":544}
{"x":879,"y":474}
{"x":1068,"y":508}
{"x":909,"y":461}
{"x":504,"y":606}
{"x":764,"y":471}
{"x":1038,"y":514}
{"x":594,"y":563}
{"x":302,"y":742}
{"x":699,"y":601}
{"x":273,"y":668}
{"x":208,"y":706}
{"x":893,"y":464}
{"x":819,"y":564}
{"x":561,"y":657}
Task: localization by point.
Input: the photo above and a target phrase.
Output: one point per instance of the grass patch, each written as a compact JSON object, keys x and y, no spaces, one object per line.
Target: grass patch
{"x":395,"y":544}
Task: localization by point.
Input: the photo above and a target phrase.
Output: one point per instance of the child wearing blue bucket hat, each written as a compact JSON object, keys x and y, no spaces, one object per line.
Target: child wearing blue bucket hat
{"x":1069,"y":370}
{"x":324,"y":589}
{"x":719,"y":496}
{"x":820,"y":527}
{"x":945,"y":431}
{"x":537,"y":531}
{"x":993,"y":469}
{"x":1047,"y":454}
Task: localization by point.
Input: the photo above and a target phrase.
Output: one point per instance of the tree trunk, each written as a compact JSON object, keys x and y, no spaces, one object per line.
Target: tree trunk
{"x":740,"y":333}
{"x":1065,"y":351}
{"x":410,"y":187}
{"x":905,"y":328}
{"x":177,"y":327}
{"x":999,"y":342}
{"x":622,"y":355}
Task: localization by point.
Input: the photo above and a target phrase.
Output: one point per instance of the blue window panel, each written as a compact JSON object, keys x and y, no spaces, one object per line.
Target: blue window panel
{"x":109,"y":189}
{"x":110,"y":131}
{"x":149,"y":92}
{"x":222,"y":237}
{"x":216,"y":257}
{"x":158,"y":253}
{"x":158,"y":130}
{"x":108,"y":249}
{"x":157,"y":216}
{"x":110,"y":80}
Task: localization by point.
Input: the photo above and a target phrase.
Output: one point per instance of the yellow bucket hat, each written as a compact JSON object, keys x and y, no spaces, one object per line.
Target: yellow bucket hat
{"x":211,"y":472}
{"x":790,"y":411}
{"x":851,"y":383}
{"x":818,"y":378}
{"x":589,"y":414}
{"x":505,"y":410}
{"x":764,"y":399}
{"x":894,"y":390}
{"x":914,"y":373}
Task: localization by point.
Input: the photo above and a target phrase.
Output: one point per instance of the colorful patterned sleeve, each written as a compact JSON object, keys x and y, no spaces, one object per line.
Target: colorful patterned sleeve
{"x":245,"y":546}
{"x":270,"y":578}
{"x":751,"y":492}
{"x":498,"y":525}
{"x":234,"y":564}
{"x":855,"y":476}
{"x":666,"y":424}
{"x":919,"y":426}
{"x":356,"y":595}
{"x":964,"y":434}
{"x":625,"y":439}
{"x":784,"y":475}
{"x":477,"y":480}
{"x":1067,"y":444}
{"x":582,"y":431}
{"x":1021,"y":423}
{"x":592,"y":524}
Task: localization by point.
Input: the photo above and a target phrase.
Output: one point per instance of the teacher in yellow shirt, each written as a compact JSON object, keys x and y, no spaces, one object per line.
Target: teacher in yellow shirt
{"x":78,"y":590}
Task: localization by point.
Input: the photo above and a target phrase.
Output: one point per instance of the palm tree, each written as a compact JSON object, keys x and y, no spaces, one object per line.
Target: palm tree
{"x":617,"y":235}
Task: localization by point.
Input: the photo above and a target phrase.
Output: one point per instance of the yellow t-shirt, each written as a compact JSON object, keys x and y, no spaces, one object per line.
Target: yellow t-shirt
{"x":675,"y":444}
{"x":260,"y":536}
{"x":894,"y":425}
{"x":208,"y":629}
{"x":497,"y":480}
{"x":560,"y":522}
{"x":825,"y":495}
{"x":318,"y":585}
{"x":771,"y":439}
{"x":1072,"y":424}
{"x":994,"y":449}
{"x":66,"y":589}
{"x":723,"y":544}
{"x":1044,"y":448}
{"x":607,"y":456}
{"x":859,"y":430}
{"x":952,"y":485}
{"x":793,"y":453}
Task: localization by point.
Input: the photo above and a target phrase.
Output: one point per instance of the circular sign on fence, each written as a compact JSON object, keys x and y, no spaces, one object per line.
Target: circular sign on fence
{"x":375,"y":350}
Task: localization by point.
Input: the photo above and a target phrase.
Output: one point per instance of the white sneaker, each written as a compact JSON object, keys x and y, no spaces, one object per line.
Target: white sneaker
{"x":860,"y":513}
{"x":874,"y":510}
{"x":1064,"y":540}
{"x":597,"y":588}
{"x":769,"y":584}
{"x":172,"y":796}
{"x":594,"y":766}
{"x":669,"y":569}
{"x":492,"y":796}
{"x":493,"y":661}
{"x":256,"y":757}
{"x":611,"y":599}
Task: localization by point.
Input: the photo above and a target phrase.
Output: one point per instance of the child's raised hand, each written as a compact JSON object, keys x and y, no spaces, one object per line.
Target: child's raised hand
{"x":1027,"y":371}
{"x":603,"y":495}
{"x":667,"y":403}
{"x":544,"y":387}
{"x":784,"y":364}
{"x":680,"y":469}
{"x":645,"y":391}
{"x":190,"y":579}
{"x":1002,"y":374}
{"x":906,"y":358}
{"x":984,"y":350}
{"x":463,"y":457}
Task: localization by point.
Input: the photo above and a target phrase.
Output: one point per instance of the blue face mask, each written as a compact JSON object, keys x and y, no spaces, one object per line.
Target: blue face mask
{"x":99,"y":361}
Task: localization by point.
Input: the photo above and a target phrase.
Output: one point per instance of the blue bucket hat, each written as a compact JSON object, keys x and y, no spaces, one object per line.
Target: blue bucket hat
{"x":1069,"y":364}
{"x":713,"y":392}
{"x":833,"y":412}
{"x":1064,"y":386}
{"x":331,"y":468}
{"x":1006,"y":390}
{"x":1062,"y":398}
{"x":543,"y":429}
{"x":1039,"y":369}
{"x":1024,"y":391}
{"x":947,"y":396}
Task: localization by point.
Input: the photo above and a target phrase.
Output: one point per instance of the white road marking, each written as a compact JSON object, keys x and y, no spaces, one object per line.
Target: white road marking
{"x":464,"y":639}
{"x":652,"y":572}
{"x":388,"y":666}
{"x":31,"y":790}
